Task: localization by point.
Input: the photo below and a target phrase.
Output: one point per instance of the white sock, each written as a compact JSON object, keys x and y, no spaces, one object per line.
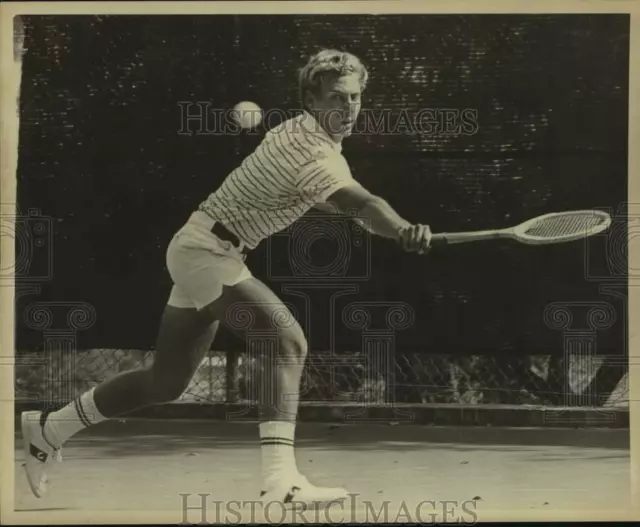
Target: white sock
{"x":76,"y":416}
{"x":278,"y":456}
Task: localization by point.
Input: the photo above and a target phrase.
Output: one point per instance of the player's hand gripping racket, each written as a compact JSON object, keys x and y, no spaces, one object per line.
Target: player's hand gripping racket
{"x":556,"y":227}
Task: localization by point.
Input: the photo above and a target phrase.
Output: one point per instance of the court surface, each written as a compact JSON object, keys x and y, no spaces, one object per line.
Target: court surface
{"x":391,"y":470}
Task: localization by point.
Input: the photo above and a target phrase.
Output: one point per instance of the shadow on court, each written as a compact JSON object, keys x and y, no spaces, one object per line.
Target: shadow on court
{"x":135,"y":437}
{"x":148,"y":464}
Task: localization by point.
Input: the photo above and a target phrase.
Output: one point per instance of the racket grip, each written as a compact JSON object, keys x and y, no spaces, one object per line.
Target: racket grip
{"x":438,"y":240}
{"x":463,"y":237}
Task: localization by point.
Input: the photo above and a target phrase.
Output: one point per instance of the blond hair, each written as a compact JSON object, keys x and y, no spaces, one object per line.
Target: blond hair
{"x":326,"y":64}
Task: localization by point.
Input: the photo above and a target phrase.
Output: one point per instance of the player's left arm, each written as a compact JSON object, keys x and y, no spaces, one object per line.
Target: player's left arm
{"x":329,"y":185}
{"x":331,"y":208}
{"x":328,"y":207}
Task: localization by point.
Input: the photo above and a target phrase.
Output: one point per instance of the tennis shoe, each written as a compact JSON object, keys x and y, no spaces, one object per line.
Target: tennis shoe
{"x":39,"y":454}
{"x":298,"y":493}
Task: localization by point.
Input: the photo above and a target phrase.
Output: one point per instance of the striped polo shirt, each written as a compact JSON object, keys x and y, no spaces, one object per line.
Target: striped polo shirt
{"x":296,"y":166}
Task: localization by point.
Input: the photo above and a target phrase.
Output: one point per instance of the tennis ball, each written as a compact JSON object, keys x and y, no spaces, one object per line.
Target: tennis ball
{"x":247,"y":114}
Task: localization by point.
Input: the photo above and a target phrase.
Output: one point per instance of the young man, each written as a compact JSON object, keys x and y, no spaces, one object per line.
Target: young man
{"x":298,"y":165}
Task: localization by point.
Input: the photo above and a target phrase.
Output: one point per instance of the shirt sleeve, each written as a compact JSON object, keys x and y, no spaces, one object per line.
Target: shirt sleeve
{"x":324,"y":177}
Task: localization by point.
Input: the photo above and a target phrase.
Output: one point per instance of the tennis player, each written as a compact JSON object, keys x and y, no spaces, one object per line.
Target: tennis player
{"x":298,"y":165}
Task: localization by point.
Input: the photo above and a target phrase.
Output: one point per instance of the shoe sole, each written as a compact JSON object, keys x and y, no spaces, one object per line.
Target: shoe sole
{"x":26,"y":441}
{"x":300,"y":504}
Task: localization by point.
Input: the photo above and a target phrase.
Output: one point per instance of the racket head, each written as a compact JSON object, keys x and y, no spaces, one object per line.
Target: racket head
{"x":561,"y":227}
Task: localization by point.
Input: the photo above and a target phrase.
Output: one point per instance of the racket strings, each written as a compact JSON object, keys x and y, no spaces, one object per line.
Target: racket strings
{"x":566,"y":225}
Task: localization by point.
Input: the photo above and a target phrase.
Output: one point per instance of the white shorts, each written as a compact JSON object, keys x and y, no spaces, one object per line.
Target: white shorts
{"x":201,"y":264}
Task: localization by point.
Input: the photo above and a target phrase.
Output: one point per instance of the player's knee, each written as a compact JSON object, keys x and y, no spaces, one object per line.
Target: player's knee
{"x":168,"y":388}
{"x":169,"y":392}
{"x":293,"y":346}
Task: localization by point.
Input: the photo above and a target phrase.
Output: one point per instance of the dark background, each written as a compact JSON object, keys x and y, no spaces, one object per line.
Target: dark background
{"x":101,"y":155}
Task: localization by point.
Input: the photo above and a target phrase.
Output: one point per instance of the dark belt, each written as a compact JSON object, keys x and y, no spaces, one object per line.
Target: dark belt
{"x":225,"y":234}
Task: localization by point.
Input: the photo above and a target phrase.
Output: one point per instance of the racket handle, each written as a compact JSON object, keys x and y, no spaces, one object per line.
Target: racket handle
{"x":447,"y":238}
{"x":438,"y":240}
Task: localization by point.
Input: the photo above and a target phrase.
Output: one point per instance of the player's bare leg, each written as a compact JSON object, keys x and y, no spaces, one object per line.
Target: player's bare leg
{"x":184,"y":338}
{"x":280,"y":388}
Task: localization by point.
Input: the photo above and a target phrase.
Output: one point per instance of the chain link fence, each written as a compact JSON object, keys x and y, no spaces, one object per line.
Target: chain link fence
{"x":413,"y":378}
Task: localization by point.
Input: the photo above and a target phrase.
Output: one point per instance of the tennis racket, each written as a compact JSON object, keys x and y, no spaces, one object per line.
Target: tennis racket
{"x":557,"y":227}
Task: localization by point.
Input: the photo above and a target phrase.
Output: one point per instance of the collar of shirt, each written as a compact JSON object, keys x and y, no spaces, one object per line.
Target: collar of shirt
{"x":311,"y":126}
